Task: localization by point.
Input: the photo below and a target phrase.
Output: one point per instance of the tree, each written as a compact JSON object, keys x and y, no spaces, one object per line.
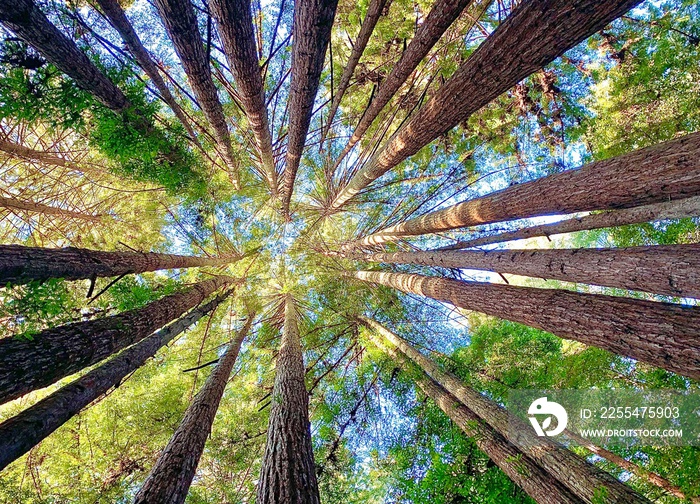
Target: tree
{"x":40,"y":208}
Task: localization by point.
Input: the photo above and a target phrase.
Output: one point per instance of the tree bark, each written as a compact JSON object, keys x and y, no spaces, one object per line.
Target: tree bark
{"x":673,"y":270}
{"x":536,"y":33}
{"x":662,"y":172}
{"x":313,"y":20}
{"x":288,"y":472}
{"x":661,"y":334}
{"x":235,"y":24}
{"x":374,"y":11}
{"x":24,"y":431}
{"x":180,"y":22}
{"x":677,"y":209}
{"x":47,"y":158}
{"x":29,"y":364}
{"x":172,"y":475}
{"x":580,"y":477}
{"x":20,"y":265}
{"x":40,"y":208}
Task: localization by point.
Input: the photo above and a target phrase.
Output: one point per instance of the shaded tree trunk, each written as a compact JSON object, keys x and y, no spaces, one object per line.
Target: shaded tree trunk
{"x":673,"y":270}
{"x":677,"y":209}
{"x":582,"y":478}
{"x":19,"y":264}
{"x":180,"y":21}
{"x":40,"y":208}
{"x":313,"y":20}
{"x":29,"y":364}
{"x":661,"y":334}
{"x":288,"y":472}
{"x":171,"y":477}
{"x":235,"y":24}
{"x":24,"y":431}
{"x":536,"y":33}
{"x":662,"y":172}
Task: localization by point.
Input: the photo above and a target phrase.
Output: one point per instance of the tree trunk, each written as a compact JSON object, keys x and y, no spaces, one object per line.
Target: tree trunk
{"x":582,"y":478}
{"x":235,"y":24}
{"x":171,"y":477}
{"x":116,"y":16}
{"x":47,"y":158}
{"x":374,"y":11}
{"x":30,"y":206}
{"x":521,"y":469}
{"x":313,"y":20}
{"x":673,"y":270}
{"x":662,"y":172}
{"x":180,"y":22}
{"x":35,"y":362}
{"x":20,"y":265}
{"x":661,"y":334}
{"x":677,"y":209}
{"x":26,"y":20}
{"x":24,"y":431}
{"x":288,"y":472}
{"x":537,"y":32}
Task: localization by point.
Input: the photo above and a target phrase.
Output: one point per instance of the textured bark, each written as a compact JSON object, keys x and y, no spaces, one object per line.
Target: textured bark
{"x":374,"y":11}
{"x":662,"y":172}
{"x":537,"y":32}
{"x":30,"y":364}
{"x":677,"y":209}
{"x":116,"y":16}
{"x":27,"y":154}
{"x":40,"y":208}
{"x":235,"y":24}
{"x":313,"y":20}
{"x":24,"y":431}
{"x":26,"y":20}
{"x":171,"y":477}
{"x":19,"y":264}
{"x":180,"y":22}
{"x":661,"y":334}
{"x":582,"y":478}
{"x":673,"y":270}
{"x":288,"y":472}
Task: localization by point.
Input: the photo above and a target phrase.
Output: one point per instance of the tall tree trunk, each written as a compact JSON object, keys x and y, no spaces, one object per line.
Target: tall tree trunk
{"x":677,"y":209}
{"x":582,"y":478}
{"x":171,"y":477}
{"x":288,"y":472}
{"x":28,"y":364}
{"x":180,"y":22}
{"x":19,"y":264}
{"x":26,"y":20}
{"x":536,"y":33}
{"x":40,"y":208}
{"x":116,"y":16}
{"x":673,"y":270}
{"x":24,"y":431}
{"x":660,"y":334}
{"x":48,"y":158}
{"x":235,"y":24}
{"x":662,"y":172}
{"x":313,"y":20}
{"x":374,"y":11}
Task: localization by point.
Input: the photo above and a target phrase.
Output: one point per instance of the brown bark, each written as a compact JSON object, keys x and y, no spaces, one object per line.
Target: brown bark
{"x":661,"y":334}
{"x":171,"y":477}
{"x":235,"y":24}
{"x":30,"y":206}
{"x":20,"y":433}
{"x":677,"y":209}
{"x":582,"y":478}
{"x":313,"y":20}
{"x":29,"y":364}
{"x":19,"y":264}
{"x":180,"y":22}
{"x":22,"y":152}
{"x":662,"y":172}
{"x":673,"y":270}
{"x":536,"y":33}
{"x":288,"y":472}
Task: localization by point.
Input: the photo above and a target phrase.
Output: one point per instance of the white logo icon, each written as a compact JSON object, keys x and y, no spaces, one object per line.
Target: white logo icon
{"x":542,"y":406}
